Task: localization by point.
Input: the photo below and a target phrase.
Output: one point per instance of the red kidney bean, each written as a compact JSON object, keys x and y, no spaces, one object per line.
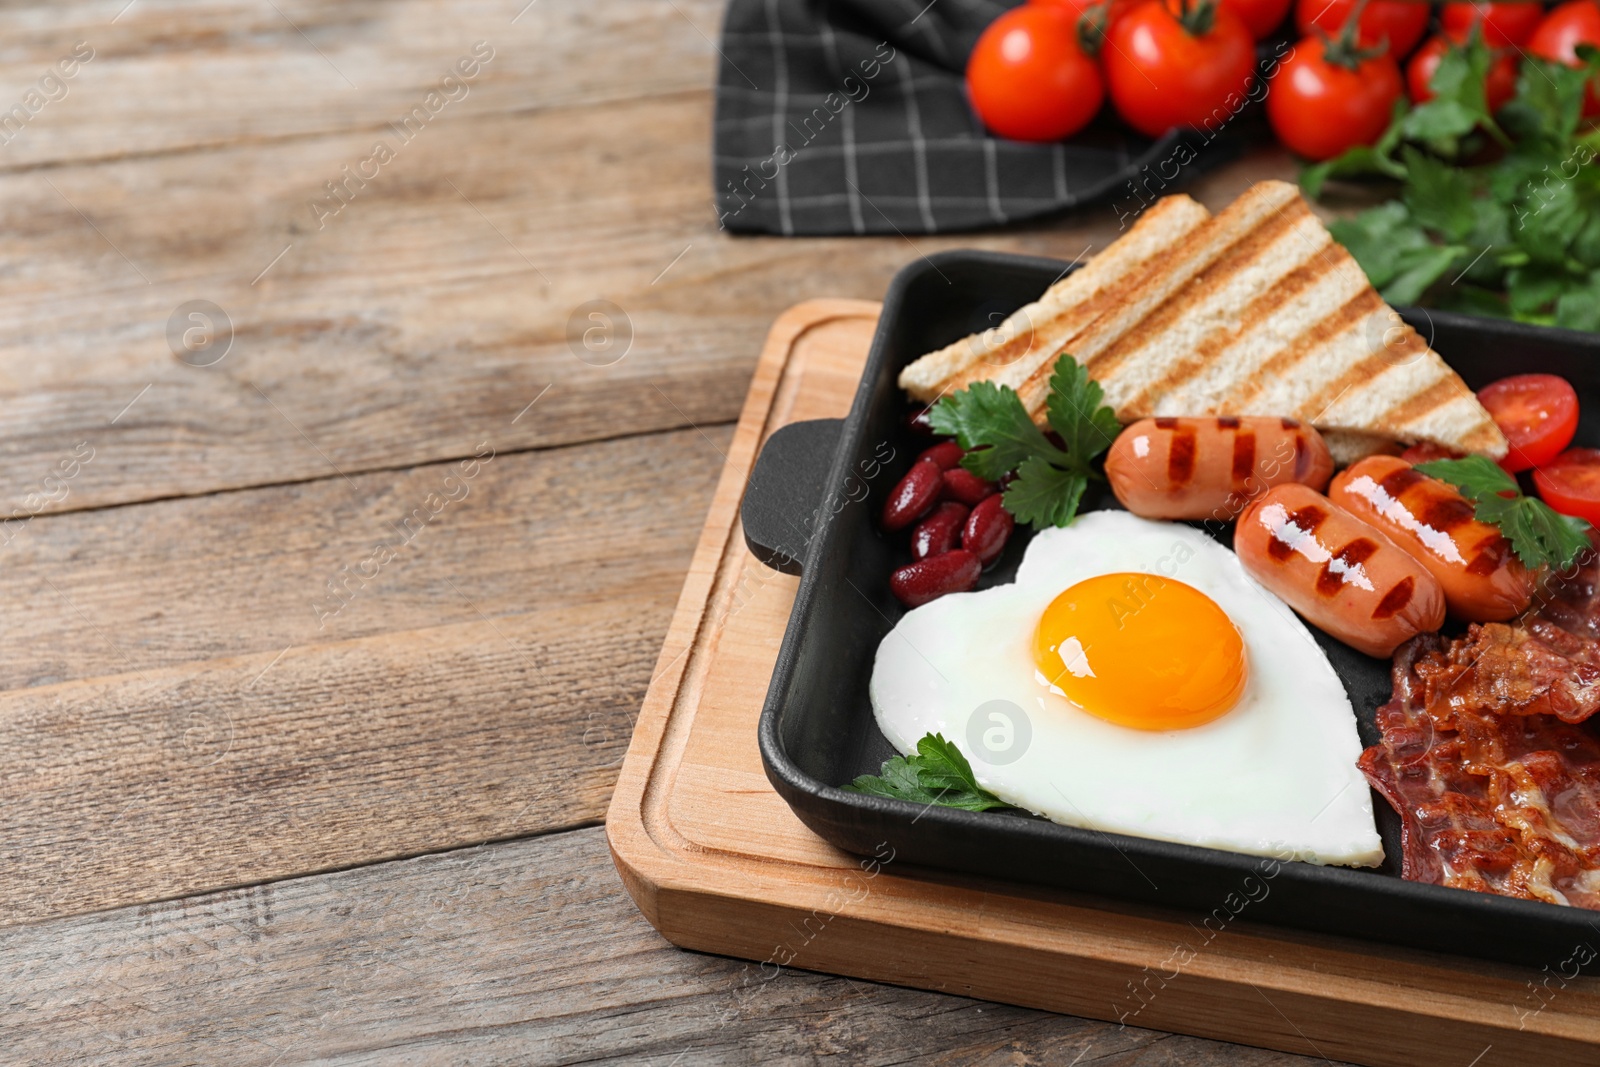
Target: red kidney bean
{"x":920,"y":421}
{"x":946,"y":454}
{"x":917,"y":583}
{"x":939,"y":532}
{"x":987,"y":529}
{"x":961,"y":484}
{"x":913,"y":496}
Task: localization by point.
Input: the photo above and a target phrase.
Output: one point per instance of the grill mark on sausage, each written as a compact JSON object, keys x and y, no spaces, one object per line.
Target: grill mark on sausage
{"x":1445,"y":511}
{"x":1492,"y":555}
{"x":1352,"y":555}
{"x":1244,"y":456}
{"x":1306,"y":519}
{"x":1227,"y":422}
{"x":1166,"y":424}
{"x":1395,"y":599}
{"x":1398,"y":482}
{"x":1289,"y":424}
{"x":1180,"y":458}
{"x":1302,"y":454}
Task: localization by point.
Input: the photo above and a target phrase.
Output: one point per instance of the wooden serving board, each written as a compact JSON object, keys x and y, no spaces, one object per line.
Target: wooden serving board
{"x":717,"y":861}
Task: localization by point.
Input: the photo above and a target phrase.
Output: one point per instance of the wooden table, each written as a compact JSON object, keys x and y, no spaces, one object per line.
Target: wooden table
{"x":338,"y":564}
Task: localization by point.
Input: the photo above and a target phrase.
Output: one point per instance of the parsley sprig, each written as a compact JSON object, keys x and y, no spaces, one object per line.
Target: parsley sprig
{"x":937,"y":774}
{"x":1515,"y":237}
{"x":1539,"y":535}
{"x":990,"y":422}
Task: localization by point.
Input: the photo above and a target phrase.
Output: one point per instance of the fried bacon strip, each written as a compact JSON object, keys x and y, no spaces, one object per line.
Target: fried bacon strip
{"x":1486,"y":756}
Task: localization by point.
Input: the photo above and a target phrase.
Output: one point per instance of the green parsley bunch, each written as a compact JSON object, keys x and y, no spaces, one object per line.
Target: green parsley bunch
{"x":1497,"y":214}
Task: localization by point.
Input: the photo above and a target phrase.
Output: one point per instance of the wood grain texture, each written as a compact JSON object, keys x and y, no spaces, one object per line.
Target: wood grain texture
{"x":718,"y":862}
{"x":439,"y":300}
{"x":191,"y":707}
{"x":168,"y":76}
{"x":526,"y":952}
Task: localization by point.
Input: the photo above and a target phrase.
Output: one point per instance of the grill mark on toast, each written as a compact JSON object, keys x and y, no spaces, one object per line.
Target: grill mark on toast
{"x":1260,"y":310}
{"x":1417,"y":405}
{"x":1362,"y":370}
{"x":1261,"y":198}
{"x":1106,"y":291}
{"x":1242,"y":253}
{"x":1309,"y":340}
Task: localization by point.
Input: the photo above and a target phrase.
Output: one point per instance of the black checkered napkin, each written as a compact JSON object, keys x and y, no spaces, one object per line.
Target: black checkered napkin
{"x":850,"y":116}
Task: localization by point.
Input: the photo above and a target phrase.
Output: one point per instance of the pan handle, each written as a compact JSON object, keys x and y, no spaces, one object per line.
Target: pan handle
{"x":785,"y":490}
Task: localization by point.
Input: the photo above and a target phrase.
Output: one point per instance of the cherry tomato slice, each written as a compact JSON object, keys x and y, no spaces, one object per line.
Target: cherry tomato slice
{"x":1538,"y":413}
{"x":1570,"y":483}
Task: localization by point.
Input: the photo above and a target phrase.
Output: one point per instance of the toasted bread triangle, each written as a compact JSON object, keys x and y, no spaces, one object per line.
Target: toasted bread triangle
{"x":1033,"y":334}
{"x":1257,"y":311}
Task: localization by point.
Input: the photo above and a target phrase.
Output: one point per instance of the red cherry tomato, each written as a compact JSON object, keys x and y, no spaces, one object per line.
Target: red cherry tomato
{"x":1499,"y":87}
{"x":1504,"y":25}
{"x":1573,"y":23}
{"x":1400,"y":23}
{"x":1538,"y":413}
{"x":1570,"y":483}
{"x":1160,"y":75}
{"x":1319,"y":108}
{"x":1028,"y":78}
{"x":1260,"y":17}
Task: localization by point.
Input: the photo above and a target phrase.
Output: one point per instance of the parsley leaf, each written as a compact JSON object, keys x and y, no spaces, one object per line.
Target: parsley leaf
{"x":1077,"y":412}
{"x":1395,"y":252}
{"x":1438,"y":195}
{"x":1362,"y":159}
{"x":1539,"y":535}
{"x":1044,"y":495}
{"x":991,"y":422}
{"x":1516,"y":221}
{"x":937,"y":774}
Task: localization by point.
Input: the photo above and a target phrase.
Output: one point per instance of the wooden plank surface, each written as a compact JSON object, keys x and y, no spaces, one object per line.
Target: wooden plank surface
{"x":526,"y":952}
{"x":437,"y":304}
{"x":480,"y":685}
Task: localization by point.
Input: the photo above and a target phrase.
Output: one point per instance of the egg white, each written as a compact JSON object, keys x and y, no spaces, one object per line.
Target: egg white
{"x":1276,"y":776}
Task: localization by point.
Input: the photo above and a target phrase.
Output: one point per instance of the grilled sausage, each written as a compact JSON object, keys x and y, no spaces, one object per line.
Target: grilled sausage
{"x":1481,"y":578}
{"x":1210,"y":468}
{"x":1342,"y":574}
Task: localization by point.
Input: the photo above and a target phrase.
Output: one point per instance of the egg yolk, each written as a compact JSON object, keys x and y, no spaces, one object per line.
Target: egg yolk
{"x":1143,"y":651}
